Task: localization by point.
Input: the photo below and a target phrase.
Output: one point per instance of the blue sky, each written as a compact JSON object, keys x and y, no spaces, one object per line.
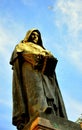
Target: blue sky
{"x":60,"y":23}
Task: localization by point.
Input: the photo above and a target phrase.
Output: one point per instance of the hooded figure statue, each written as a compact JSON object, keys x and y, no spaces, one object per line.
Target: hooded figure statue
{"x":35,"y":86}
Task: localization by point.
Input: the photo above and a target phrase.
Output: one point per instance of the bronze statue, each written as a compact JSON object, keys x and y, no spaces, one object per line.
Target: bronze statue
{"x":35,"y":86}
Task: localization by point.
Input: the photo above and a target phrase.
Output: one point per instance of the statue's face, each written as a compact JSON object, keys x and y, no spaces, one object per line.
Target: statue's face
{"x":34,"y":37}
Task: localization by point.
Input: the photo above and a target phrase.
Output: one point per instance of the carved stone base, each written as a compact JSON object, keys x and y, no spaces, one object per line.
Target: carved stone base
{"x":51,"y":122}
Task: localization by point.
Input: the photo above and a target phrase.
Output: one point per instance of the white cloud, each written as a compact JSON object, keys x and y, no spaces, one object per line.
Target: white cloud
{"x":73,"y":107}
{"x":69,"y":13}
{"x":68,"y":18}
{"x":9,"y":34}
{"x":4,"y":40}
{"x":72,"y":53}
{"x":28,"y":2}
{"x":4,"y":102}
{"x":75,"y":55}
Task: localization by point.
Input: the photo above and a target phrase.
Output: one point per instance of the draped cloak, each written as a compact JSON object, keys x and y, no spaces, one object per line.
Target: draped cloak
{"x":34,"y":82}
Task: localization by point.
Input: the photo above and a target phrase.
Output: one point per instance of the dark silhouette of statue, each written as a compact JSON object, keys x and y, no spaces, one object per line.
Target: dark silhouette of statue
{"x":35,"y":86}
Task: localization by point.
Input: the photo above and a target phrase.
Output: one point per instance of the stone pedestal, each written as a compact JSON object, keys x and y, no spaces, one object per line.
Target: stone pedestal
{"x":40,"y":124}
{"x":51,"y":122}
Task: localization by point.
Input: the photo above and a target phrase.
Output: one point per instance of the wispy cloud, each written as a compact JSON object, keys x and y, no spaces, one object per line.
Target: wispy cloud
{"x":74,"y":107}
{"x":70,"y":14}
{"x":4,"y":102}
{"x":68,"y":19}
{"x":75,"y":55}
{"x":28,"y":2}
{"x":9,"y":34}
{"x":4,"y":41}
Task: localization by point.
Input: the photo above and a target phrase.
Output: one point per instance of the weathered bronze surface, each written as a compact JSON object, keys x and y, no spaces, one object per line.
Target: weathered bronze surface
{"x":35,"y":86}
